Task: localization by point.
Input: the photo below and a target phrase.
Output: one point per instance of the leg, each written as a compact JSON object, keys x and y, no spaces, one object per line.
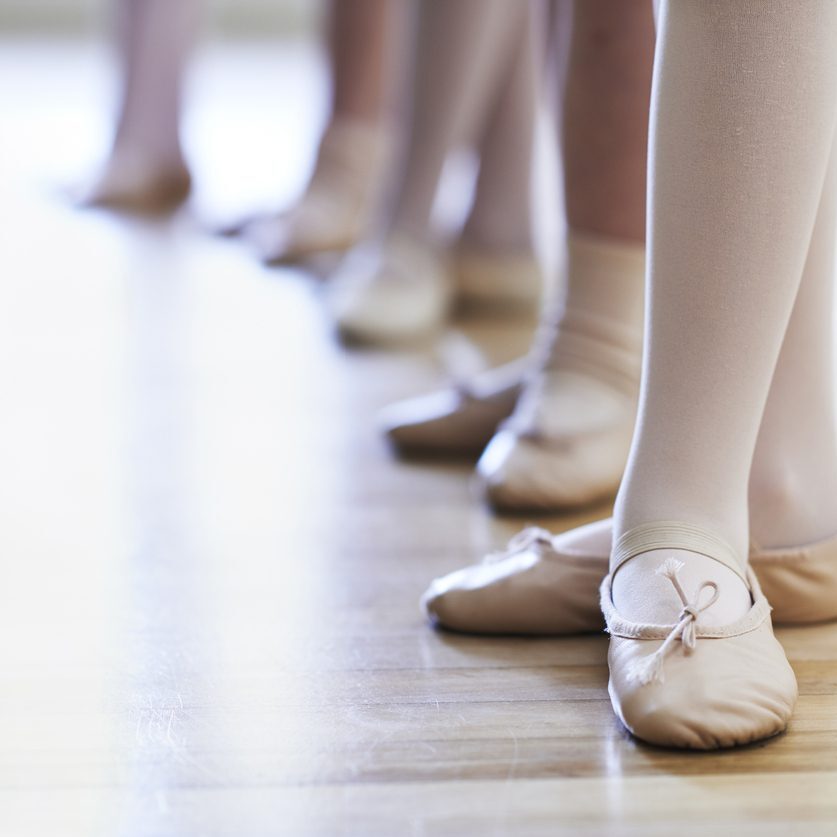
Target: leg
{"x":722,"y":293}
{"x":743,"y":117}
{"x":568,"y":439}
{"x":464,"y":51}
{"x":362,"y":45}
{"x":501,"y":214}
{"x":341,"y":199}
{"x":146,"y":169}
{"x":494,"y":262}
{"x":604,"y":122}
{"x":793,"y":481}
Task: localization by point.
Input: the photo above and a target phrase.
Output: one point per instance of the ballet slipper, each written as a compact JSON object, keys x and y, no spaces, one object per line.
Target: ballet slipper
{"x":461,"y":420}
{"x":521,"y":469}
{"x":325,"y":220}
{"x":457,"y":421}
{"x":692,"y":685}
{"x":132,"y":183}
{"x":567,"y":442}
{"x":799,"y":582}
{"x":535,"y":586}
{"x":549,"y":585}
{"x":394,"y":293}
{"x":528,"y":467}
{"x":501,"y":283}
{"x":336,"y":211}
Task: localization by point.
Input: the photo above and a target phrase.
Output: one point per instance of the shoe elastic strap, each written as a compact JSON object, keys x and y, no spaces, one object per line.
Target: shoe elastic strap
{"x":673,"y":534}
{"x":593,"y":346}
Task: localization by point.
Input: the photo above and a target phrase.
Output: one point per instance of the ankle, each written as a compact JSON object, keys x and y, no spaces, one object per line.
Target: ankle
{"x":648,"y":494}
{"x":648,"y":560}
{"x":487,"y":236}
{"x":642,"y":594}
{"x":168,"y":160}
{"x":353,"y":155}
{"x":597,"y":328}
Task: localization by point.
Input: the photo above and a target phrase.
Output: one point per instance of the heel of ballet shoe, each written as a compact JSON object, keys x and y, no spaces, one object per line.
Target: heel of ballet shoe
{"x":799,"y":582}
{"x":450,"y":422}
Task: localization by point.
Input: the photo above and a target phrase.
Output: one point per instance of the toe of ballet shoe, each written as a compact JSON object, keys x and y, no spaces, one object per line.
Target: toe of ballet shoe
{"x":448,"y":422}
{"x":520,"y":474}
{"x":438,"y":424}
{"x":726,"y":693}
{"x":531,"y":590}
{"x":438,"y":604}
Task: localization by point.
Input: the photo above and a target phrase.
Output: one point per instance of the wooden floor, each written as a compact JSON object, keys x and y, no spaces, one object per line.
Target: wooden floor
{"x":211,"y":564}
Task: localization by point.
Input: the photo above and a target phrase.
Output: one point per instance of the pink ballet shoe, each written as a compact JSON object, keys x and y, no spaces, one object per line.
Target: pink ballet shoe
{"x":549,"y":585}
{"x":691,"y":685}
{"x":132,"y":184}
{"x":456,"y":421}
{"x":337,"y":209}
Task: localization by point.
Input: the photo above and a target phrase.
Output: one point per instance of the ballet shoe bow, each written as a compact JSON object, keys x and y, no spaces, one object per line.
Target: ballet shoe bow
{"x":531,"y":536}
{"x":650,"y":669}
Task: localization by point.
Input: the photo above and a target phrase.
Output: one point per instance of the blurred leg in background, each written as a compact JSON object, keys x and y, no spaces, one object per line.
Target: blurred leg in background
{"x":366,"y":40}
{"x":493,"y":265}
{"x":146,"y":170}
{"x":568,"y":438}
{"x":475,"y":86}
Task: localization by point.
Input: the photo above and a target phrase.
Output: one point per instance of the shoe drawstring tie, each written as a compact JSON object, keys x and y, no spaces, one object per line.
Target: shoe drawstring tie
{"x":525,"y":539}
{"x":650,"y":669}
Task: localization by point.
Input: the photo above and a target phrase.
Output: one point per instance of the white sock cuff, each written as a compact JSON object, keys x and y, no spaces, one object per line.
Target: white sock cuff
{"x":599,"y":254}
{"x":357,"y":141}
{"x":606,"y":279}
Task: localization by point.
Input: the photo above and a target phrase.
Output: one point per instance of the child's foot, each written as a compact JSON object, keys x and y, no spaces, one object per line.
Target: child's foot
{"x":567,"y":441}
{"x":693,"y":659}
{"x":133,"y":183}
{"x":338,"y":207}
{"x":389,"y":294}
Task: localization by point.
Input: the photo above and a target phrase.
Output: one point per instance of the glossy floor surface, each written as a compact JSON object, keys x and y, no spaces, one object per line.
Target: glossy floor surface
{"x":211,"y":563}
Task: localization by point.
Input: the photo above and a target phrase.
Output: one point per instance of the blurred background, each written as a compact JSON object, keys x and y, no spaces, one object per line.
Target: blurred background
{"x":249,"y":18}
{"x":192,"y":470}
{"x":256,"y":65}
